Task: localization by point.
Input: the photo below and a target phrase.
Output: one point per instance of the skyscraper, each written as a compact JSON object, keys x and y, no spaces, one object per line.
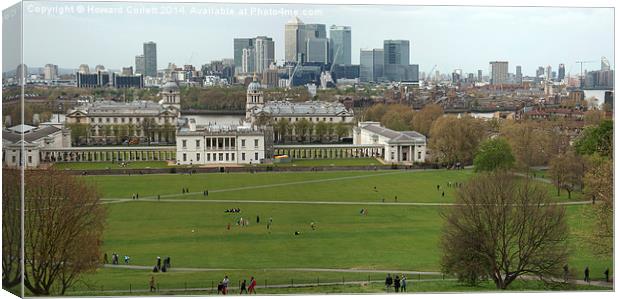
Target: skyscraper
{"x":499,"y":72}
{"x":248,"y":60}
{"x":371,"y":65}
{"x":395,"y":59}
{"x":605,"y":64}
{"x":479,"y":75}
{"x":317,"y":50}
{"x":140,"y":64}
{"x":265,"y":53}
{"x":150,"y":59}
{"x":548,"y":71}
{"x":519,"y":75}
{"x":340,"y":44}
{"x":540,"y":71}
{"x":238,"y":45}
{"x":50,"y":72}
{"x":561,"y":72}
{"x":293,"y":39}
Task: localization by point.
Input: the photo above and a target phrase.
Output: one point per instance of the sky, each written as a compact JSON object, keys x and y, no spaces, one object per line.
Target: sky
{"x":69,"y":34}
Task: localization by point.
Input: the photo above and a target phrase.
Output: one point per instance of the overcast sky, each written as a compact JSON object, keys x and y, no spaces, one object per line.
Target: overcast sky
{"x":467,"y":38}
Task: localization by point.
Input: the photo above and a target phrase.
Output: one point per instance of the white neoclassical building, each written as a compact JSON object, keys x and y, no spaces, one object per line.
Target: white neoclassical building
{"x":399,"y":147}
{"x":35,"y":140}
{"x":219,"y":144}
{"x":313,"y":111}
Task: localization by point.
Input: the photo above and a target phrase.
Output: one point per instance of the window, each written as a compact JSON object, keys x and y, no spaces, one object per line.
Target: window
{"x":130,"y":119}
{"x":243,"y":156}
{"x":331,"y":119}
{"x":184,"y":157}
{"x":122,"y":119}
{"x":392,"y":156}
{"x":242,"y":142}
{"x":208,"y":142}
{"x":29,"y":159}
{"x":92,"y":119}
{"x":13,"y":159}
{"x":208,"y":157}
{"x":419,"y":155}
{"x":232,"y":157}
{"x":100,"y":119}
{"x":198,"y":143}
{"x":107,"y":119}
{"x":232,"y":142}
{"x":221,"y":157}
{"x":227,"y":156}
{"x":255,"y":156}
{"x":184,"y":142}
{"x":197,"y":157}
{"x":255,"y":142}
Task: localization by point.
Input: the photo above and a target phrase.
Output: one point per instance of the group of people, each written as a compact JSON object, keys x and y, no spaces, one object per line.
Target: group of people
{"x":163,"y":268}
{"x":135,"y":196}
{"x":586,"y":274}
{"x":233,"y":210}
{"x":399,"y":283}
{"x":185,"y":190}
{"x":222,"y":286}
{"x":364,"y":212}
{"x":115,"y":258}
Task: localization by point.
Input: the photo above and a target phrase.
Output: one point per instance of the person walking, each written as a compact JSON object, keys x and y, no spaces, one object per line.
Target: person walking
{"x":388,"y":283}
{"x":606,"y":275}
{"x":158,"y":263}
{"x":586,"y":274}
{"x":252,"y":287}
{"x":105,"y":257}
{"x":152,"y":284}
{"x":257,"y":219}
{"x":242,"y":288}
{"x":225,"y":285}
{"x":403,"y":283}
{"x":566,"y":272}
{"x":396,"y":284}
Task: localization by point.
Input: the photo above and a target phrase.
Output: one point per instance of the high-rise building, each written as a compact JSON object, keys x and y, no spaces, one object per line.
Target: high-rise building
{"x":540,"y":71}
{"x":265,"y":53}
{"x":479,"y":75}
{"x":238,"y":45}
{"x":50,"y":72}
{"x":498,"y":72}
{"x":371,"y":65}
{"x":140,"y":64}
{"x":605,"y":64}
{"x":84,"y":69}
{"x":519,"y":75}
{"x":296,"y":36}
{"x":396,"y":52}
{"x":548,"y":71}
{"x":396,"y":59}
{"x":127,"y":71}
{"x":293,"y":39}
{"x":317,"y":50}
{"x":150,"y":59}
{"x":340,"y":44}
{"x":561,"y":72}
{"x":248,"y":60}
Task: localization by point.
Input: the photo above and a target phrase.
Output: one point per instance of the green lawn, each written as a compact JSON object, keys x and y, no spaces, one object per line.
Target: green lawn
{"x":406,"y":186}
{"x":195,"y":235}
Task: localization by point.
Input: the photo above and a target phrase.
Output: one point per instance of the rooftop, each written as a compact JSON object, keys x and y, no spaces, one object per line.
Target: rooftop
{"x":395,"y":136}
{"x":305,"y":108}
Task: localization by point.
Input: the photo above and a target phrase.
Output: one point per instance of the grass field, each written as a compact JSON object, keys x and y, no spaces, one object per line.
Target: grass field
{"x":192,"y":229}
{"x":333,"y":162}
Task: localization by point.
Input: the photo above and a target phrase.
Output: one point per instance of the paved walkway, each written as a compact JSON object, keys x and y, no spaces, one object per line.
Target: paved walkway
{"x":176,"y":269}
{"x":308,"y":202}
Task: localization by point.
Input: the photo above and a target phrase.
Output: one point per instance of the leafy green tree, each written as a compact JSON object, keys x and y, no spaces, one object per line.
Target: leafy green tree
{"x":599,"y":185}
{"x":78,"y":132}
{"x":597,"y":139}
{"x":567,"y":170}
{"x":302,"y":127}
{"x":283,"y":127}
{"x":342,"y":130}
{"x":455,"y":139}
{"x":494,"y":154}
{"x":321,"y":129}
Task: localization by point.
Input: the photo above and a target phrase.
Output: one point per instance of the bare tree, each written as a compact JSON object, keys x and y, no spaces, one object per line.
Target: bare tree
{"x":11,"y":237}
{"x":504,"y":227}
{"x":567,"y":170}
{"x":455,"y":139}
{"x":599,"y":185}
{"x":530,"y":143}
{"x":63,"y":230}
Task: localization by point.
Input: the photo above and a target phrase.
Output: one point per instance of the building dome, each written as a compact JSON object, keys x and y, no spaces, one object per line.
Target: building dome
{"x":170,"y":86}
{"x":254,"y":87}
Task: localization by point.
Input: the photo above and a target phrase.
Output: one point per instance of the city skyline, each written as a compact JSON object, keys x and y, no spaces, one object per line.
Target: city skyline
{"x":434,"y":37}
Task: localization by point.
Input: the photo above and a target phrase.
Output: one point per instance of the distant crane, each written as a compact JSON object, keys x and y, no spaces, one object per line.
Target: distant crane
{"x":430,"y":73}
{"x":581,"y":78}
